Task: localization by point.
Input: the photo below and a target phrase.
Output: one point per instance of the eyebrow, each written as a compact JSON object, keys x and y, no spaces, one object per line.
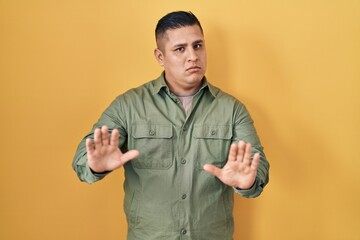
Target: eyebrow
{"x":185,"y":44}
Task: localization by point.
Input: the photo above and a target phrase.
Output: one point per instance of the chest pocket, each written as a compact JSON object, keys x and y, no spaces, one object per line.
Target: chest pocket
{"x":212,"y":143}
{"x":154,"y":142}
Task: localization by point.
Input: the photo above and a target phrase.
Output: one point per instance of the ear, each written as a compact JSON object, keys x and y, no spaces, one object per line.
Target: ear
{"x":159,"y":56}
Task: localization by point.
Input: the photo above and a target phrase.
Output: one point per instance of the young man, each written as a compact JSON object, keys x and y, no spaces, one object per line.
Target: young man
{"x":193,"y":145}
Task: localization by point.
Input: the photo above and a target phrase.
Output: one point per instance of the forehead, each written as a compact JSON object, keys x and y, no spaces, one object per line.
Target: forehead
{"x":183,"y":35}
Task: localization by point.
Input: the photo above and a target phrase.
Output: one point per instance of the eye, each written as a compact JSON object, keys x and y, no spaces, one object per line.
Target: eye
{"x":198,"y":45}
{"x":179,"y":49}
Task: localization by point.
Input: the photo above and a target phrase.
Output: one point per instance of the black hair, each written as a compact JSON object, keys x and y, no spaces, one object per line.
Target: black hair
{"x":175,"y":20}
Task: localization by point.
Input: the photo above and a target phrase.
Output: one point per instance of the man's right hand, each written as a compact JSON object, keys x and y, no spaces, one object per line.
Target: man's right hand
{"x":103,"y":152}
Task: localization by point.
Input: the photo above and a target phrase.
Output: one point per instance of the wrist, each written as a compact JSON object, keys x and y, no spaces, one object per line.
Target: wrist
{"x":98,"y":172}
{"x":96,"y":169}
{"x":243,"y":188}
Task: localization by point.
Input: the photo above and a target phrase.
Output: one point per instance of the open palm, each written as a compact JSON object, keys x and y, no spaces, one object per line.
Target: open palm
{"x":240,"y":169}
{"x":103,"y":152}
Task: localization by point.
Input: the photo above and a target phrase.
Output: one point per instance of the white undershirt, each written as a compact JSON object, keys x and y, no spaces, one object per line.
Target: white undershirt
{"x":186,"y":102}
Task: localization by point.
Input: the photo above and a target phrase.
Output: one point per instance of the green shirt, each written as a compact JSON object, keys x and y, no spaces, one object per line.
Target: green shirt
{"x":168,"y":195}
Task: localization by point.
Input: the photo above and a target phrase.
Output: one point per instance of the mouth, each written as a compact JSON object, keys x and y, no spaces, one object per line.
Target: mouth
{"x":193,"y":69}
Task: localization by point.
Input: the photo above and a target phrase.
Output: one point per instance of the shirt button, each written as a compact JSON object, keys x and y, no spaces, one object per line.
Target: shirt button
{"x":213,"y":132}
{"x":183,"y":231}
{"x":183,"y":161}
{"x":152,"y":132}
{"x":183,"y":196}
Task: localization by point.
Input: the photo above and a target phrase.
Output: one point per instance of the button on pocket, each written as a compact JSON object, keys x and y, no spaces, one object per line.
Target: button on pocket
{"x":154,"y":142}
{"x":213,"y":144}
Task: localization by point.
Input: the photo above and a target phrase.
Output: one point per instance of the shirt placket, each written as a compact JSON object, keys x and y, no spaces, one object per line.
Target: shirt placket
{"x":185,"y":172}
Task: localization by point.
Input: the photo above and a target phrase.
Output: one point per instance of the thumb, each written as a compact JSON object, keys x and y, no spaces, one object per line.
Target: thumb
{"x":212,"y":169}
{"x":129,"y":155}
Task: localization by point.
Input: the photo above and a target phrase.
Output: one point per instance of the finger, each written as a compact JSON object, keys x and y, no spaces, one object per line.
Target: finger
{"x":241,"y":151}
{"x":97,"y":138}
{"x":247,"y":154}
{"x":255,"y":162}
{"x":213,"y":170}
{"x":105,"y":137}
{"x":89,"y":146}
{"x":129,"y":156}
{"x":114,"y":141}
{"x":233,"y":152}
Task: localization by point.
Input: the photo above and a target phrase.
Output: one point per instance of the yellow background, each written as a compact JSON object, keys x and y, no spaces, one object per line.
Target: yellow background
{"x":295,"y":64}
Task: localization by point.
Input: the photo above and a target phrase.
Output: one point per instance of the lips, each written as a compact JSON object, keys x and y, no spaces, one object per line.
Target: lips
{"x":193,"y":68}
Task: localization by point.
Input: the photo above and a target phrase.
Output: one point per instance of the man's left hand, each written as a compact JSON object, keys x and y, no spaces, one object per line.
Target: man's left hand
{"x":240,"y":169}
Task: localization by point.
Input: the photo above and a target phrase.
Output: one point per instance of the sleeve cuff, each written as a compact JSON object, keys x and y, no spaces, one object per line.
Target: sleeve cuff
{"x":92,"y":176}
{"x":252,"y":192}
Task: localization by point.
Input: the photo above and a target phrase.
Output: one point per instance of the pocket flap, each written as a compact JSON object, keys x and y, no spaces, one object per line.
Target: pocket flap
{"x":152,"y":131}
{"x":213,"y":131}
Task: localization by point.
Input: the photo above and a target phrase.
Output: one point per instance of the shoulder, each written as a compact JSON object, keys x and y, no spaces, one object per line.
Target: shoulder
{"x":146,"y":89}
{"x":224,"y":97}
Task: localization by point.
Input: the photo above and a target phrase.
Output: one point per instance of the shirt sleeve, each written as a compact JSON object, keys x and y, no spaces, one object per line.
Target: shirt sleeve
{"x":244,"y":130}
{"x":111,"y":117}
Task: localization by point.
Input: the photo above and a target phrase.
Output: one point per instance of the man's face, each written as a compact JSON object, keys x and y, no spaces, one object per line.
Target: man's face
{"x":182,"y":53}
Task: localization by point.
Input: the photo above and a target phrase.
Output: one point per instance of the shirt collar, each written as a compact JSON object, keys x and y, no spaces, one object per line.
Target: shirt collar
{"x":160,"y":83}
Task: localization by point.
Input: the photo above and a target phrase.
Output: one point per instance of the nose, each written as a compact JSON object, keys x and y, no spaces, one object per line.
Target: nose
{"x":192,"y":56}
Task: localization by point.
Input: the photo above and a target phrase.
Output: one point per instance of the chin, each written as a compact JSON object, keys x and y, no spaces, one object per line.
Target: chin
{"x":195,"y":77}
{"x":193,"y":81}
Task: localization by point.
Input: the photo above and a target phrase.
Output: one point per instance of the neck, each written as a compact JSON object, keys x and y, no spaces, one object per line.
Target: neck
{"x":185,"y":94}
